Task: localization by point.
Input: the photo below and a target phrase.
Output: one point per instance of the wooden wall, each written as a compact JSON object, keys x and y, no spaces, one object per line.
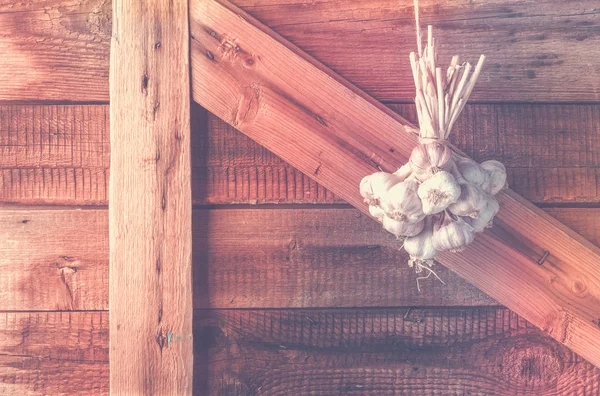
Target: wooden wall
{"x":295,"y":292}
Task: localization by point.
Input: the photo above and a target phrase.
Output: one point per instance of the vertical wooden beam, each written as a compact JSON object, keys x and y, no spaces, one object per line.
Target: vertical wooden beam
{"x":150,"y":200}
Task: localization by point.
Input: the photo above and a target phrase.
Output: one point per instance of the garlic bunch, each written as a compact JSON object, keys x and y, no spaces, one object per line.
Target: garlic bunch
{"x":438,"y":200}
{"x":441,"y":212}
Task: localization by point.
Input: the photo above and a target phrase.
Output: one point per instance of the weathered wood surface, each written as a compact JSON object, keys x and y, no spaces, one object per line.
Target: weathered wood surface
{"x":150,"y":211}
{"x":487,"y":351}
{"x":60,"y":155}
{"x":53,"y":353}
{"x":262,"y":258}
{"x":53,"y":260}
{"x":55,"y":50}
{"x":335,"y":133}
{"x":378,"y":351}
{"x":58,"y":49}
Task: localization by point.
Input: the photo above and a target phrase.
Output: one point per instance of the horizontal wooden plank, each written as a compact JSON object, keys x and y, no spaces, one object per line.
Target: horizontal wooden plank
{"x":53,"y":260}
{"x":53,"y":353}
{"x":487,"y":351}
{"x":58,"y":50}
{"x":376,"y":351}
{"x":58,"y":259}
{"x":60,"y":155}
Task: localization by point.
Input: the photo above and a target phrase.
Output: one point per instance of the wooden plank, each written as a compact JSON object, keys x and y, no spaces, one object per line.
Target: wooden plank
{"x":59,"y":49}
{"x":378,"y":351}
{"x":60,"y":155}
{"x":56,"y":154}
{"x":150,"y":212}
{"x":55,"y":50}
{"x":487,"y":351}
{"x":53,"y":260}
{"x":54,"y":353}
{"x":534,"y":47}
{"x":331,"y":131}
{"x":297,"y":258}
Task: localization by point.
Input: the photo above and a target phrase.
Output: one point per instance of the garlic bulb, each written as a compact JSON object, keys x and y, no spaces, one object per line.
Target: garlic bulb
{"x":452,"y":234}
{"x":471,"y":171}
{"x":472,"y":199}
{"x":438,"y":192}
{"x":486,"y":215}
{"x":404,"y":172}
{"x":401,"y":202}
{"x":429,"y":158}
{"x":496,"y":175}
{"x":376,"y":212}
{"x":402,"y":228}
{"x":374,"y":186}
{"x":420,"y":246}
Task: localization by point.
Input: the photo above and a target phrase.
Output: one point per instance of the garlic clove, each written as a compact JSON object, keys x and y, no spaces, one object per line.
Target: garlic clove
{"x":401,"y":202}
{"x":420,"y":246}
{"x":472,"y":199}
{"x":376,"y":212}
{"x":402,"y":228}
{"x":496,"y":175}
{"x":438,"y":192}
{"x":471,"y":171}
{"x":428,"y":158}
{"x":452,"y":234}
{"x":374,"y":186}
{"x":403,"y":172}
{"x":486,"y":215}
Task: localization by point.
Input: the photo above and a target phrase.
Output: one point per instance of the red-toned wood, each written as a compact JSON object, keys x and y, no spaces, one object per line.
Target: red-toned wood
{"x":55,"y":50}
{"x":261,"y":258}
{"x":367,"y":351}
{"x":58,"y":49}
{"x":335,"y":133}
{"x":150,"y":211}
{"x":488,"y":351}
{"x":60,"y":155}
{"x":54,"y":353}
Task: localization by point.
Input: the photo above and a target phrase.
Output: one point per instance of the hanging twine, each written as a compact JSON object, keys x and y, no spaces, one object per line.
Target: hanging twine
{"x":439,"y":199}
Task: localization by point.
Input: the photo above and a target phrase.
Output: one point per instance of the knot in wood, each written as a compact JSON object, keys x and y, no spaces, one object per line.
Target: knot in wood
{"x":533,"y":365}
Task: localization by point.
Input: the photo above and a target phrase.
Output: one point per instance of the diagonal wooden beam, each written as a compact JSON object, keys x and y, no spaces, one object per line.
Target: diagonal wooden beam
{"x":150,"y":212}
{"x":285,"y":100}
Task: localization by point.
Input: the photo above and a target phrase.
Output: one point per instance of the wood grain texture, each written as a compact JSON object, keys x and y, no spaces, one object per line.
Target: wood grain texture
{"x":552,"y":154}
{"x":60,"y":155}
{"x":487,"y":351}
{"x":54,"y":353}
{"x":244,"y":352}
{"x":296,"y":258}
{"x":59,"y":49}
{"x":53,"y":260}
{"x":534,"y":48}
{"x":331,"y":131}
{"x":54,"y":154}
{"x":55,"y":50}
{"x":150,"y":212}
